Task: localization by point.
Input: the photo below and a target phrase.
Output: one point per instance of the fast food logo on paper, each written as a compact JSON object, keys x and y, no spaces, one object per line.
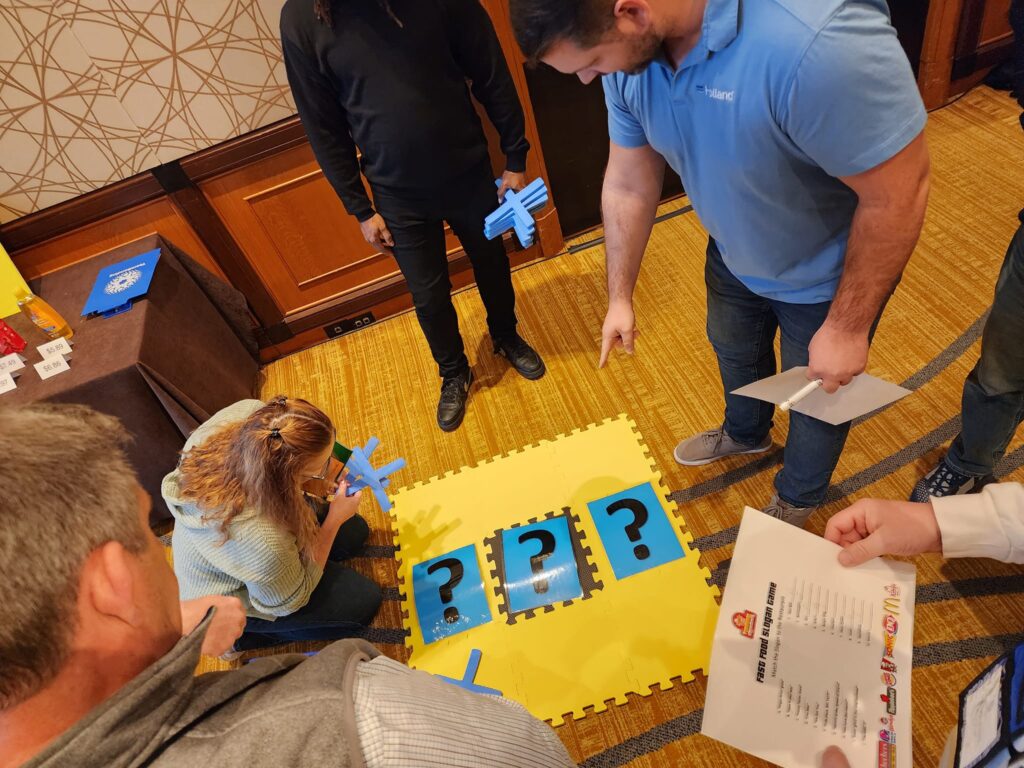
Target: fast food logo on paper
{"x":886,"y":755}
{"x":745,"y":622}
{"x":893,"y":590}
{"x":888,"y":665}
{"x":889,"y":699}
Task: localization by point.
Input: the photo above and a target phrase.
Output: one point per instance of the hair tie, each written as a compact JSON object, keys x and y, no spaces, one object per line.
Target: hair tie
{"x":275,"y":433}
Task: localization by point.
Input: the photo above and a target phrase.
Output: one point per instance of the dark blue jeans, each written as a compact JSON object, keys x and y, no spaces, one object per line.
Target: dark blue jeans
{"x":341,"y":605}
{"x":742,"y":328}
{"x":993,"y":400}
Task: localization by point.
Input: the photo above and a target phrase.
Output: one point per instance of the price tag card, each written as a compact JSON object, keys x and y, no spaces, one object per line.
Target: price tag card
{"x":12,"y":364}
{"x":53,"y":348}
{"x":6,"y":383}
{"x":52,"y":366}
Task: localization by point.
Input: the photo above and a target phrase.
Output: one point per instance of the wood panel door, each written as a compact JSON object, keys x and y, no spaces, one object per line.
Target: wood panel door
{"x":295,"y":232}
{"x":985,"y":36}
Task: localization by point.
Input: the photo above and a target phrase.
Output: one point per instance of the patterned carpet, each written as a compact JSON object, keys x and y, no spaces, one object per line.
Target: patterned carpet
{"x":382,"y":381}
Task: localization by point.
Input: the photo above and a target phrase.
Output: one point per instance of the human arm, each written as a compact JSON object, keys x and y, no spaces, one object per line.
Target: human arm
{"x":326,"y":125}
{"x":892,"y":198}
{"x":859,"y":117}
{"x":986,"y":524}
{"x":477,"y":51}
{"x":227,"y":625}
{"x":629,"y":202}
{"x":342,"y":509}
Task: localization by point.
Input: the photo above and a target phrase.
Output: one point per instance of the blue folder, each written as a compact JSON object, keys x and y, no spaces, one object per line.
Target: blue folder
{"x":119,"y":283}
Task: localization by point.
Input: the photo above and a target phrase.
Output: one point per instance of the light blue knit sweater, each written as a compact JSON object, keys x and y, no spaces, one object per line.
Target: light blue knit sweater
{"x":260,"y":562}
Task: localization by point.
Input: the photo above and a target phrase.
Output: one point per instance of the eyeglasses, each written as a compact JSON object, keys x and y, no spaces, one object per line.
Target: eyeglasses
{"x":327,"y":464}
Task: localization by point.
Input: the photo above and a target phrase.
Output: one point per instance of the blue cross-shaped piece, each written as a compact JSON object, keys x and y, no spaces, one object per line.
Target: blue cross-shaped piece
{"x":361,"y":473}
{"x":467,"y":679}
{"x":515,"y":212}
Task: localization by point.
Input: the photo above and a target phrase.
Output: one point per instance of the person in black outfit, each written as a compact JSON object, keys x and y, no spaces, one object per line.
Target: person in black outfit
{"x":390,"y":77}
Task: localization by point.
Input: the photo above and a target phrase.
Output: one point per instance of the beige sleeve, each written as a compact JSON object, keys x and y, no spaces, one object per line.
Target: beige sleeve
{"x":986,"y":524}
{"x":409,"y":719}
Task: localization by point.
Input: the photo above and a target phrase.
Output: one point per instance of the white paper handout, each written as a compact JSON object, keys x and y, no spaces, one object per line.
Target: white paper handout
{"x":809,"y":654}
{"x":862,"y":395}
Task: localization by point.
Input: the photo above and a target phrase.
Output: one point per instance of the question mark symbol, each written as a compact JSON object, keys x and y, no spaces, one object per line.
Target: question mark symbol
{"x":547,"y":548}
{"x":633,"y":529}
{"x":454,"y":566}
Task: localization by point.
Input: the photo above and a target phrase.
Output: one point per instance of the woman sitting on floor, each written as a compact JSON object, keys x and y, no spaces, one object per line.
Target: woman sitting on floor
{"x":244,"y":527}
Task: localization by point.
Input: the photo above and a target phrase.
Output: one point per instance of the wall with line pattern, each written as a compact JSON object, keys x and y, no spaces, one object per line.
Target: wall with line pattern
{"x":94,"y":91}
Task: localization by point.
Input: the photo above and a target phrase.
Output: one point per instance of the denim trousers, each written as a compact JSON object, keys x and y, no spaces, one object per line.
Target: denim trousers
{"x":342,"y":603}
{"x":741,"y":326}
{"x":993,"y":399}
{"x":416,"y":224}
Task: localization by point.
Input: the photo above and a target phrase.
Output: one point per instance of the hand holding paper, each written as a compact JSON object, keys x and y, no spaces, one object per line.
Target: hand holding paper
{"x":864,"y":394}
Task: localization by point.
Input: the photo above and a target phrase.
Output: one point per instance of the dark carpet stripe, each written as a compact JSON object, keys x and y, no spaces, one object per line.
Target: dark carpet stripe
{"x":970,"y":648}
{"x":964,"y":588}
{"x":689,"y":724}
{"x":395,"y":635}
{"x":647,"y":742}
{"x":960,"y":345}
{"x":724,"y":480}
{"x":386,"y":551}
{"x":391,"y":593}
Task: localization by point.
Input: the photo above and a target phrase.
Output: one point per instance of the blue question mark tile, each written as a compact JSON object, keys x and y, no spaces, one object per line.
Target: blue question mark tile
{"x":636,"y":533}
{"x":540,"y":566}
{"x":449,"y":594}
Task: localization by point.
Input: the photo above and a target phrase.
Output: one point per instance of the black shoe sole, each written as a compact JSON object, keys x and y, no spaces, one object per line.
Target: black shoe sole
{"x":456,"y":424}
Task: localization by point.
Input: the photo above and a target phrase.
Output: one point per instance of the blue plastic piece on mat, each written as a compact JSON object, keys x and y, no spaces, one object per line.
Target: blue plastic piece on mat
{"x":515,"y":212}
{"x":635,"y":531}
{"x":540,"y":565}
{"x":449,"y":594}
{"x":467,"y":679}
{"x":361,"y":473}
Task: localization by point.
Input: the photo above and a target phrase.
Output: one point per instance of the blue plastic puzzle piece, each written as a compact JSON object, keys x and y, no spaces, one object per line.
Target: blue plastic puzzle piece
{"x":635,"y":531}
{"x":540,"y":565}
{"x":362,"y":474}
{"x":515,"y":212}
{"x":449,"y":594}
{"x":467,"y":679}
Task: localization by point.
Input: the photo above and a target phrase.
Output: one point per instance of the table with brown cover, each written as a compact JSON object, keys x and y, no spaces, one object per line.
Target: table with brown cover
{"x":182,"y":352}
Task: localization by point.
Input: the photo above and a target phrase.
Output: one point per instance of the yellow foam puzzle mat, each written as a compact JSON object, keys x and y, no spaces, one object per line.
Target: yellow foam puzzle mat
{"x":565,"y":565}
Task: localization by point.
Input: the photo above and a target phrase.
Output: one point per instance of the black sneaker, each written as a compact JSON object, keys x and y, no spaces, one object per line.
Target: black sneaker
{"x":946,"y":481}
{"x":452,"y":405}
{"x":521,"y":355}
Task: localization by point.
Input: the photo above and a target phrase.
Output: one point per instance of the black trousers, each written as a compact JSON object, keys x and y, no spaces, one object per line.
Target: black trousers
{"x":417,"y":226}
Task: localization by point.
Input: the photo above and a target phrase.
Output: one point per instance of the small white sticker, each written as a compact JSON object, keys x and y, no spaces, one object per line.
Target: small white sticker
{"x":6,"y":383}
{"x":12,"y":363}
{"x":57,"y":347}
{"x":51,"y":366}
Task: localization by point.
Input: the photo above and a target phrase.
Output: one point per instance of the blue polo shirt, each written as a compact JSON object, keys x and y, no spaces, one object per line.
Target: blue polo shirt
{"x":777,"y":100}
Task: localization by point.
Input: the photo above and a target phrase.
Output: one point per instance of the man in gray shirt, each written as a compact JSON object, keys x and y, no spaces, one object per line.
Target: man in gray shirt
{"x":94,"y":670}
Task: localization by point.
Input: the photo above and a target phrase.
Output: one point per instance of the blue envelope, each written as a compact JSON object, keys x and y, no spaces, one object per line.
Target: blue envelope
{"x":119,"y":283}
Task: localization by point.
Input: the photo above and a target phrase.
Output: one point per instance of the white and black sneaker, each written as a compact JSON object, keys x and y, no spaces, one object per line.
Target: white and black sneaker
{"x":943,"y":480}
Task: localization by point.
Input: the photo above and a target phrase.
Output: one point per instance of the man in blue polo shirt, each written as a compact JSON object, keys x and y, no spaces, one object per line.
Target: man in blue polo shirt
{"x":796,"y":127}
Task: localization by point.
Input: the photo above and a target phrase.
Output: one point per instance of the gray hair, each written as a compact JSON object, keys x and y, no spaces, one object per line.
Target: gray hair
{"x":66,"y":488}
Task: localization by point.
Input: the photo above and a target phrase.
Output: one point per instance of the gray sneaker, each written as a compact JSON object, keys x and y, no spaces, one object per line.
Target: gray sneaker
{"x":787,"y":513}
{"x":713,"y":445}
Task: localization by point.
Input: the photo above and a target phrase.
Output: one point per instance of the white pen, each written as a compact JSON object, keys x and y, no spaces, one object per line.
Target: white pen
{"x":795,"y":398}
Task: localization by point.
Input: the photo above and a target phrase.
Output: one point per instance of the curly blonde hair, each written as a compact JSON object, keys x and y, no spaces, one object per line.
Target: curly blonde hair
{"x":257,"y":464}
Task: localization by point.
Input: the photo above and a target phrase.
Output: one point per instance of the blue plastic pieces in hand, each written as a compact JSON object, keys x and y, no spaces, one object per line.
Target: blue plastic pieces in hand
{"x":361,"y":473}
{"x":467,"y":679}
{"x":515,"y":212}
